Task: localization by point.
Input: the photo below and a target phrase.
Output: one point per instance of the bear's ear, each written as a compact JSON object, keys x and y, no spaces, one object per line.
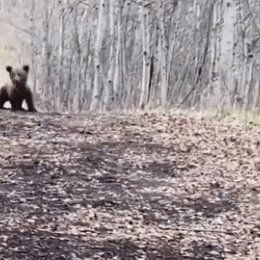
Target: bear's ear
{"x":26,"y":68}
{"x":9,"y":68}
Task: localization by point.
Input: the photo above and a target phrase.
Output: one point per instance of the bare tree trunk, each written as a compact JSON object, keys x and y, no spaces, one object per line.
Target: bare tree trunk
{"x":146,"y":55}
{"x":78,"y":59}
{"x":256,"y":96}
{"x":118,"y":60}
{"x":61,"y":56}
{"x":109,"y":87}
{"x":48,"y":90}
{"x":248,"y":87}
{"x":96,"y":95}
{"x":163,"y":55}
{"x":203,"y":53}
{"x":33,"y":44}
{"x":227,"y":43}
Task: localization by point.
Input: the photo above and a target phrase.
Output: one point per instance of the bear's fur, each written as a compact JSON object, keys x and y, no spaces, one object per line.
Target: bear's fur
{"x":17,"y":90}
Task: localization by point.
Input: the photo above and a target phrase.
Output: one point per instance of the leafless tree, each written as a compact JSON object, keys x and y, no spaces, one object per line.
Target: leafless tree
{"x":120,"y":54}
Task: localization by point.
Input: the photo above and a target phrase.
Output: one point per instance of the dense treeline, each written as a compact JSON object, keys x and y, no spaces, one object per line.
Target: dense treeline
{"x":112,"y":54}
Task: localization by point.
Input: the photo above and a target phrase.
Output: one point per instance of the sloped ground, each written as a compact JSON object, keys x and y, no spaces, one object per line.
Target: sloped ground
{"x":128,"y":187}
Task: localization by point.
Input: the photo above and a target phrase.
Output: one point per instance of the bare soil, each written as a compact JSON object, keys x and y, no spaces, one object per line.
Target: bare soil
{"x":128,"y":186}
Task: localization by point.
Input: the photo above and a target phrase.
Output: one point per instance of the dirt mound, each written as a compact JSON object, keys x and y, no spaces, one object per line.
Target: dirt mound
{"x":143,"y":186}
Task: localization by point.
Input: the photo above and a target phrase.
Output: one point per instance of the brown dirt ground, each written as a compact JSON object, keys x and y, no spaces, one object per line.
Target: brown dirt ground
{"x":128,"y":186}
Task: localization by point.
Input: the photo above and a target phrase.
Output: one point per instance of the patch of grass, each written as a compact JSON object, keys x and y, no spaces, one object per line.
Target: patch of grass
{"x":243,"y":116}
{"x":224,"y":115}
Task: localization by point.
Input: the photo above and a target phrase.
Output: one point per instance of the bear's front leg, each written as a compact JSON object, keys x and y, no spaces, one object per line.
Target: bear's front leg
{"x":3,"y":97}
{"x":16,"y":105}
{"x":29,"y":101}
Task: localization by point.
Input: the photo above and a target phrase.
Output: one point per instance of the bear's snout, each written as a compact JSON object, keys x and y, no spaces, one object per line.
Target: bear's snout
{"x":17,"y":78}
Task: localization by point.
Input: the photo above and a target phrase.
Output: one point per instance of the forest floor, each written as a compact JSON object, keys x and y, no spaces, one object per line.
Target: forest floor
{"x":128,"y":186}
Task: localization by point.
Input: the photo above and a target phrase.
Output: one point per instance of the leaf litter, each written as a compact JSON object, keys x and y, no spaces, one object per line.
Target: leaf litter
{"x":128,"y":186}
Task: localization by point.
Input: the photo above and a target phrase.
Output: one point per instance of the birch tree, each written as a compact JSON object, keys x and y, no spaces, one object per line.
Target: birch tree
{"x":96,"y":96}
{"x":145,"y":15}
{"x":108,"y":95}
{"x":124,"y":54}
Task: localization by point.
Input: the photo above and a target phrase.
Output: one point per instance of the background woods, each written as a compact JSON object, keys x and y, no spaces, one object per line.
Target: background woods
{"x":154,"y":184}
{"x":119,"y":54}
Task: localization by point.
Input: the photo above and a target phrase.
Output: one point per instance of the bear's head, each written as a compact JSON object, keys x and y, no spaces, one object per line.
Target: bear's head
{"x":18,"y":76}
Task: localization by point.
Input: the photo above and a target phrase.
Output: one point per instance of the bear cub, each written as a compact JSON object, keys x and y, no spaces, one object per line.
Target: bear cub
{"x":17,"y":90}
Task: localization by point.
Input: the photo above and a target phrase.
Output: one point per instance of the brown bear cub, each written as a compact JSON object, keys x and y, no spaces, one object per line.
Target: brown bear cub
{"x":18,"y":90}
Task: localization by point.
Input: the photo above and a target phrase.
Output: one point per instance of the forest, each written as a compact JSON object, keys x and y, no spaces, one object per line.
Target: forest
{"x":124,"y":54}
{"x":145,"y":140}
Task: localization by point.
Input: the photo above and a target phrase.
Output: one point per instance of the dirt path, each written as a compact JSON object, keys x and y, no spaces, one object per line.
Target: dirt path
{"x":128,"y":187}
